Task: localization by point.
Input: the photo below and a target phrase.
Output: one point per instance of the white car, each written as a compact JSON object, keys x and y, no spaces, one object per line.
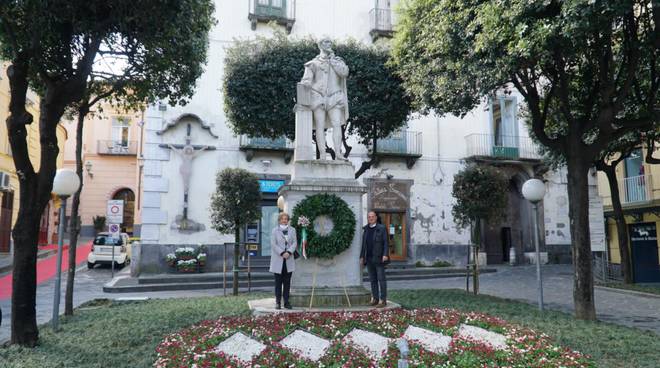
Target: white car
{"x":102,"y":250}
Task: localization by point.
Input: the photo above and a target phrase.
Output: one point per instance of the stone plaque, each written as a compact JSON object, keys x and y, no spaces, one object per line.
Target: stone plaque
{"x":390,"y":196}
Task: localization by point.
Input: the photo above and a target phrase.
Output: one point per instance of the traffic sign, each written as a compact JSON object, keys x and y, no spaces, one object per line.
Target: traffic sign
{"x":114,"y":230}
{"x":115,"y":211}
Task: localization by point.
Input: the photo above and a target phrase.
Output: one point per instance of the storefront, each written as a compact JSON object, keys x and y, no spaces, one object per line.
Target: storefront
{"x":390,"y":199}
{"x":257,"y":234}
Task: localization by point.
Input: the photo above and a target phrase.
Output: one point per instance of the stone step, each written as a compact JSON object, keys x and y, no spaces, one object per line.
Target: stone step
{"x":264,"y":275}
{"x":261,"y":282}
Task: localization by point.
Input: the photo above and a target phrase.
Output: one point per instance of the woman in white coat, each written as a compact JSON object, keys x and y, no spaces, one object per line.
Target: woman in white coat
{"x":283,"y":243}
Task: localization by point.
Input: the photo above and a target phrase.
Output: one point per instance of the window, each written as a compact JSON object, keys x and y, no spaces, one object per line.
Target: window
{"x":273,"y":8}
{"x":504,"y":127}
{"x":120,"y":126}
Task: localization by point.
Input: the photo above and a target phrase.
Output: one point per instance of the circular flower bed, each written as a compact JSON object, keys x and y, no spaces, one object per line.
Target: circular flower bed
{"x":199,"y":345}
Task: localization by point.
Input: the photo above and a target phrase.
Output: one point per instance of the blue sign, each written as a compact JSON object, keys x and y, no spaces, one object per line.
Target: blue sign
{"x":270,"y":186}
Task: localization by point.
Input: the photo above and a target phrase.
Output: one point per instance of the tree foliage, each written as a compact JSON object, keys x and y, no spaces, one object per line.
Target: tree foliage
{"x":53,"y":47}
{"x":593,"y":64}
{"x":236,"y":200}
{"x":481,"y":193}
{"x":260,"y":87}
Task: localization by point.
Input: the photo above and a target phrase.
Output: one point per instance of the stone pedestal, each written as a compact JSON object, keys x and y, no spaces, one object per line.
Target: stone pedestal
{"x":327,"y":282}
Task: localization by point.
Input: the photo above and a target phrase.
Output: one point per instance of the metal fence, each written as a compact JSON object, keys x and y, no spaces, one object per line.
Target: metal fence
{"x":280,"y":9}
{"x":119,"y":148}
{"x":501,"y":146}
{"x":603,"y":270}
{"x":265,"y":143}
{"x":381,"y":19}
{"x":636,"y":189}
{"x":405,"y":142}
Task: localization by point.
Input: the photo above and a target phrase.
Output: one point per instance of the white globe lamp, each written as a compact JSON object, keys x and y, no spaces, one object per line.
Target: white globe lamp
{"x":66,"y":183}
{"x":533,"y":190}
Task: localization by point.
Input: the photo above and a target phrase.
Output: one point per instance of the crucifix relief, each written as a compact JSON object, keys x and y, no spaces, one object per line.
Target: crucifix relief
{"x":187,"y":152}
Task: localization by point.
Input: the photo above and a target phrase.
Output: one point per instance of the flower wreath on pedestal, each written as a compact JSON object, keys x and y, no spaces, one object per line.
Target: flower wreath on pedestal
{"x":338,"y":239}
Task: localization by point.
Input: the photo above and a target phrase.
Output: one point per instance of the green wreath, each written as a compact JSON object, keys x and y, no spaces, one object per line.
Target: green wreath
{"x":343,"y":218}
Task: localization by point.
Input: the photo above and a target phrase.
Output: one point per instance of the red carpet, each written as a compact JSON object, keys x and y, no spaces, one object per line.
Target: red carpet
{"x":46,"y":268}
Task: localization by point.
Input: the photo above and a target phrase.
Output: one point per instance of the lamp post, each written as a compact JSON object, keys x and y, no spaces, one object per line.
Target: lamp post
{"x":66,"y":183}
{"x":533,"y":190}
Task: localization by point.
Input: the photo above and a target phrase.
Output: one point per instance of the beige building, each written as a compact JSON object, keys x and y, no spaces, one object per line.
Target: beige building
{"x":111,"y":165}
{"x":639,"y":188}
{"x":9,"y":188}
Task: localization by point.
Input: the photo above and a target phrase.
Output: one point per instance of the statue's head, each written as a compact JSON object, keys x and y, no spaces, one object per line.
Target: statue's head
{"x":325,"y":44}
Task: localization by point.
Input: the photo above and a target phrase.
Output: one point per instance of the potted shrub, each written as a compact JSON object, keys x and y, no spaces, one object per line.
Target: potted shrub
{"x":99,"y":224}
{"x":185,"y":254}
{"x":171,"y":259}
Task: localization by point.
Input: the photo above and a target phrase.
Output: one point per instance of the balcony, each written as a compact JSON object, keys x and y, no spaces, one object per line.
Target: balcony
{"x":635,"y":189}
{"x":381,"y":23}
{"x":252,"y":145}
{"x":282,"y":12}
{"x":117,"y":148}
{"x":506,"y":148}
{"x":404,"y":144}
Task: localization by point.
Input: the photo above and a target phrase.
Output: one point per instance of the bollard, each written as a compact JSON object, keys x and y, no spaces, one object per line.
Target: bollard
{"x":402,"y":345}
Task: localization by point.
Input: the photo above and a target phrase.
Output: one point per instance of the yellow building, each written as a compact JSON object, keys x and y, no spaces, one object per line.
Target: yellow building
{"x":639,"y":187}
{"x":111,"y":150}
{"x":9,"y":192}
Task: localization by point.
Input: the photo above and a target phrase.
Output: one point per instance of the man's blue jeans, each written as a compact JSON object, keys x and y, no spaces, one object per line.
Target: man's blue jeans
{"x":378,"y":282}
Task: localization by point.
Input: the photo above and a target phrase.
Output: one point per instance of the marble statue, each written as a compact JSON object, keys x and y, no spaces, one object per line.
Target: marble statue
{"x":327,"y":97}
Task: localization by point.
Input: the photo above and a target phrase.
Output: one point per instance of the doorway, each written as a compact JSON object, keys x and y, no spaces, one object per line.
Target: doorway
{"x":6,"y":211}
{"x":644,"y":246}
{"x":128,"y":197}
{"x":395,"y":224}
{"x":43,"y":227}
{"x":269,"y":213}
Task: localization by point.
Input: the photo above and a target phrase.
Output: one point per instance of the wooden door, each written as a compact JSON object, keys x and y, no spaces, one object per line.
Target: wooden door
{"x":43,"y":227}
{"x":6,"y":211}
{"x":396,"y":227}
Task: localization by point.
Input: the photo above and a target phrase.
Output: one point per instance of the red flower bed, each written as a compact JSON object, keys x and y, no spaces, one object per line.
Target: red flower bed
{"x":195,"y":346}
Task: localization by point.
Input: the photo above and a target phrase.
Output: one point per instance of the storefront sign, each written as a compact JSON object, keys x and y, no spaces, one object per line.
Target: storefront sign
{"x":390,"y":196}
{"x":270,"y":186}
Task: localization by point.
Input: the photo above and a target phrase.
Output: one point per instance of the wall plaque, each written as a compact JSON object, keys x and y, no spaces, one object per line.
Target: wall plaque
{"x":390,"y":196}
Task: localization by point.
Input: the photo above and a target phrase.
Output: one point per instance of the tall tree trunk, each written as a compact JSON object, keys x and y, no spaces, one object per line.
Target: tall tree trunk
{"x":74,"y":230}
{"x":578,"y":198}
{"x":24,"y":329}
{"x":237,"y":250}
{"x":621,"y":227}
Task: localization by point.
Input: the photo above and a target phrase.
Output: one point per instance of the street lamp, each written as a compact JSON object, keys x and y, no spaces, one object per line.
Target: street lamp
{"x":66,"y":183}
{"x":533,"y":190}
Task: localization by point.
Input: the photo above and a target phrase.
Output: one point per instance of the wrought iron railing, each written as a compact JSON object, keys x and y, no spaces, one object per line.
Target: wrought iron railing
{"x":503,"y":147}
{"x":381,"y":19}
{"x":281,"y":143}
{"x":118,"y":148}
{"x":635,"y":189}
{"x":405,"y":143}
{"x":275,"y":9}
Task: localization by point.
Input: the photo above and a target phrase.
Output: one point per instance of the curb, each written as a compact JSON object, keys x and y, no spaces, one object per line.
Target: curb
{"x":44,"y":254}
{"x":629,"y":292}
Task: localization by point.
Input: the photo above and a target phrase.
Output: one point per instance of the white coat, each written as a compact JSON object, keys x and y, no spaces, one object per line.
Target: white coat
{"x":279,"y":245}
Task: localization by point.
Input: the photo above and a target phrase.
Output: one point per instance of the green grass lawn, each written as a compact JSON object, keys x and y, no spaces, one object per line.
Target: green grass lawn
{"x":125,"y":334}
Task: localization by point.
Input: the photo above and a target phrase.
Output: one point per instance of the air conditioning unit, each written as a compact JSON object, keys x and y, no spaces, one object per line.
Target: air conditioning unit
{"x":4,"y":181}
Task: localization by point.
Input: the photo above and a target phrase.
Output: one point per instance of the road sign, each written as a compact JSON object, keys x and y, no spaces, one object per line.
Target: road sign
{"x":114,"y":230}
{"x":115,"y":211}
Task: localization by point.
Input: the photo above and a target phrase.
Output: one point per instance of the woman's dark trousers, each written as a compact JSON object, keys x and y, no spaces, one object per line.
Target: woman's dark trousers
{"x":282,"y":284}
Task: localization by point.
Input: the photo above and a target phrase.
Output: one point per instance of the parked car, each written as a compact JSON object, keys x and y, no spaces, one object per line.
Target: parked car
{"x":102,"y":250}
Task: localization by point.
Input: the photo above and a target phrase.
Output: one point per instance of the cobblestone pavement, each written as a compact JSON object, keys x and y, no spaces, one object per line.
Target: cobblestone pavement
{"x":508,"y":282}
{"x":520,"y":283}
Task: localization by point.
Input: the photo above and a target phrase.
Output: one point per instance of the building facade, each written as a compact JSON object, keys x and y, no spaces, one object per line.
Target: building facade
{"x":410,"y":187}
{"x":639,"y":189}
{"x":9,"y":186}
{"x":111,"y":166}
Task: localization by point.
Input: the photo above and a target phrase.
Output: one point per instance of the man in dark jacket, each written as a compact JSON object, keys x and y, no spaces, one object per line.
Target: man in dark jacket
{"x":374,"y":255}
